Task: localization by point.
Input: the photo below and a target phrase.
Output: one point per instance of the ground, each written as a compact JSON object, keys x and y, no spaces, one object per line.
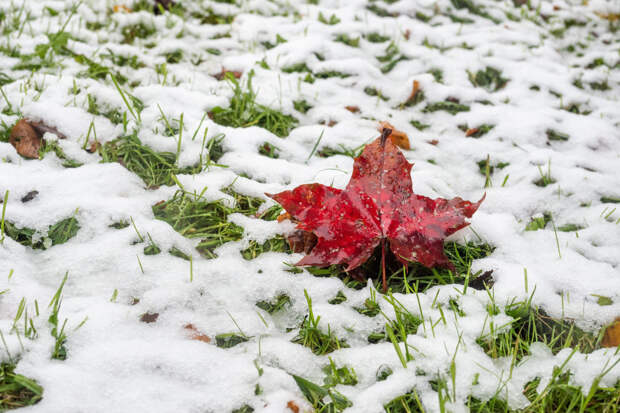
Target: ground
{"x":143,"y":267}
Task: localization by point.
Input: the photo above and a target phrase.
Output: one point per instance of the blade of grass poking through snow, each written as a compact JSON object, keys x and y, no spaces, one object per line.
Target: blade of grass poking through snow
{"x":199,"y":125}
{"x":124,"y":97}
{"x":316,"y":145}
{"x":180,"y":137}
{"x":6,"y":199}
{"x":59,"y":352}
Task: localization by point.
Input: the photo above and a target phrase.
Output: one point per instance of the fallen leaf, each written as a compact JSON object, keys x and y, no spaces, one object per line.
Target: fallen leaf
{"x":26,"y":140}
{"x":407,"y":34}
{"x":292,"y":406}
{"x":284,"y":216}
{"x":377,"y":208}
{"x":471,"y":131}
{"x":414,"y":92}
{"x":121,"y":7}
{"x":42,"y":129}
{"x":433,"y":142}
{"x":92,"y":148}
{"x":611,"y":338}
{"x":196,"y":335}
{"x":397,"y":137}
{"x":352,"y":109}
{"x":149,"y":317}
{"x":301,"y":241}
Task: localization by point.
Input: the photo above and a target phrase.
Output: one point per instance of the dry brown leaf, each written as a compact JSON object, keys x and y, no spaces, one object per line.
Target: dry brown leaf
{"x":26,"y":140}
{"x":407,"y":34}
{"x":149,"y":317}
{"x":196,"y":335}
{"x":301,"y":241}
{"x":292,"y":406}
{"x":93,"y":147}
{"x":30,"y":196}
{"x":433,"y":142}
{"x":397,"y":137}
{"x":471,"y":131}
{"x":121,"y":7}
{"x":612,"y":334}
{"x":284,"y":216}
{"x":352,"y":109}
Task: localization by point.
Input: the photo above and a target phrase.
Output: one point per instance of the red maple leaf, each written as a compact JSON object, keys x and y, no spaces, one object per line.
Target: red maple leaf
{"x":378,"y":206}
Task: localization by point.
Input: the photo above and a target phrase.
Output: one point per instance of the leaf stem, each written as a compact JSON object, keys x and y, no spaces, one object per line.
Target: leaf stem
{"x":383,"y":265}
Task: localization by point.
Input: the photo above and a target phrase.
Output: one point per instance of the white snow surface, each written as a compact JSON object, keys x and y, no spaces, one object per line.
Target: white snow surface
{"x":116,"y":363}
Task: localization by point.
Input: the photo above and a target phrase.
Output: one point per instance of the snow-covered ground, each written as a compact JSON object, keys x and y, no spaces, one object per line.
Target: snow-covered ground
{"x":556,"y":121}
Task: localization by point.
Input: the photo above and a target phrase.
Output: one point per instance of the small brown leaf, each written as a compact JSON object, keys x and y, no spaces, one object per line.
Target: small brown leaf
{"x":93,"y":147}
{"x":301,"y":241}
{"x":352,"y":109}
{"x":407,"y":34}
{"x":292,"y":406}
{"x":149,"y":317}
{"x":612,"y":334}
{"x":121,"y":7}
{"x":196,"y":335}
{"x":471,"y":131}
{"x":26,"y":140}
{"x":397,"y":137}
{"x":433,"y":142}
{"x":284,"y":216}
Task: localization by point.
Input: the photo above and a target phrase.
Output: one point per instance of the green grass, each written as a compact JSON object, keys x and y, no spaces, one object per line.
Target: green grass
{"x":375,"y":37}
{"x":193,"y":217}
{"x":137,"y":31}
{"x":16,"y":390}
{"x":276,"y":244}
{"x":490,"y":78}
{"x":323,"y":399}
{"x":407,"y":403}
{"x":532,"y":325}
{"x":335,"y":375}
{"x":311,"y":336}
{"x":244,"y":112}
{"x":451,"y":107}
{"x":57,"y":234}
{"x":278,"y":303}
{"x":154,"y":168}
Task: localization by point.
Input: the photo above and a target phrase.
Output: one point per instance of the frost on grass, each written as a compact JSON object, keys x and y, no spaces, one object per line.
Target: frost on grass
{"x":166,"y":159}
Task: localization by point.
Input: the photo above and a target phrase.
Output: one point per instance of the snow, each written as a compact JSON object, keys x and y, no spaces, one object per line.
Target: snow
{"x":117,"y":363}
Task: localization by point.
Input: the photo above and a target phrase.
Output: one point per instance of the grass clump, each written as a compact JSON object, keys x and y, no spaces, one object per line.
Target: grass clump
{"x":561,"y":396}
{"x":245,"y":112}
{"x":229,"y":340}
{"x":539,"y":222}
{"x":448,"y":106}
{"x":276,"y":304}
{"x":276,"y":244}
{"x":193,"y":217}
{"x":323,"y":399}
{"x":269,"y":150}
{"x":554,"y":135}
{"x":375,"y":37}
{"x":532,"y":325}
{"x":136,"y":31}
{"x":312,"y":337}
{"x":349,"y":41}
{"x":16,"y":390}
{"x":490,"y":79}
{"x":338,"y":375}
{"x":57,"y":234}
{"x":407,"y":403}
{"x":155,"y":168}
